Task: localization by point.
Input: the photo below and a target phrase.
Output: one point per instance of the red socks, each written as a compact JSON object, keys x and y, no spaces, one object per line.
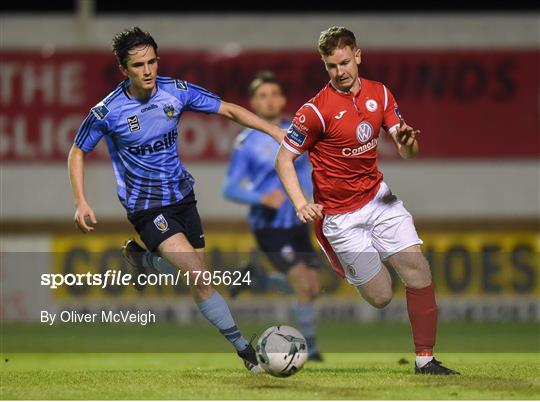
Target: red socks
{"x":422,"y":310}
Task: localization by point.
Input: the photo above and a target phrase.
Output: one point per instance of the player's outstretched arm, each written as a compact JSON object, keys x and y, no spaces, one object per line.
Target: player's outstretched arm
{"x":244,"y":117}
{"x":85,"y":217}
{"x":405,"y":139}
{"x":306,"y":211}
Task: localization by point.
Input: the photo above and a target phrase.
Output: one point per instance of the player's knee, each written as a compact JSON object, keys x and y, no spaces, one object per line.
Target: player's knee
{"x":381,"y":300}
{"x":314,"y":293}
{"x":304,"y":294}
{"x":314,"y":289}
{"x":311,"y":296}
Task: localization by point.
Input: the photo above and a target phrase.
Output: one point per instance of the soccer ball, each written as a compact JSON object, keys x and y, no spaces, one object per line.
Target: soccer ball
{"x":282,"y":351}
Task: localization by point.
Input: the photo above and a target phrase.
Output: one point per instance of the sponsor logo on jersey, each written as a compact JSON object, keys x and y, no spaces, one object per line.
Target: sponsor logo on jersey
{"x":133,"y":123}
{"x":371,"y":105}
{"x":360,"y":150}
{"x":302,"y":118}
{"x":300,"y":126}
{"x":340,"y":115}
{"x":161,"y":223}
{"x":167,"y":141}
{"x":169,"y":111}
{"x":364,"y":132}
{"x":151,"y":107}
{"x":296,"y":136}
{"x":182,"y":85}
{"x":100,"y":111}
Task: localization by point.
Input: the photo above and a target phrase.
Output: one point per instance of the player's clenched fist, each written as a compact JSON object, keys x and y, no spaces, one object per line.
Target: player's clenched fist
{"x":309,"y":212}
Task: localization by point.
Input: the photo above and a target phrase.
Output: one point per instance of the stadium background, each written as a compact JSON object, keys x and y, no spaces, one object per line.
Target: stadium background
{"x":470,"y":82}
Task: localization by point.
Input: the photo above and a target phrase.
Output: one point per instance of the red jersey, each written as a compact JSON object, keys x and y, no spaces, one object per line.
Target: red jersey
{"x":340,"y":132}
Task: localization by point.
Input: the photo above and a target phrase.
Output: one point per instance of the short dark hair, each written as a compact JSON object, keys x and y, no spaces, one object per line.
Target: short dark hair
{"x":263,"y":77}
{"x":335,"y":37}
{"x":128,"y":39}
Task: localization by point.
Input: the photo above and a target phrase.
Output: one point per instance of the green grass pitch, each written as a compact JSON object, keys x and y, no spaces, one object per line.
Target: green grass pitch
{"x":497,"y":361}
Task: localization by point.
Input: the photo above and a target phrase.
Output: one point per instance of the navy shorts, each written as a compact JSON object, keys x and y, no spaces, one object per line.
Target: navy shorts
{"x":287,"y":247}
{"x":156,"y":225}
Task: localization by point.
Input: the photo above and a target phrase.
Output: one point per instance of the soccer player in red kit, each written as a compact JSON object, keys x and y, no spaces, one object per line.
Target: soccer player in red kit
{"x":362,"y":227}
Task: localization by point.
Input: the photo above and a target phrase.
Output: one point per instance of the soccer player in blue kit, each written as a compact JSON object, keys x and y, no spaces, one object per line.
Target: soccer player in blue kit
{"x":252,"y":179}
{"x":139,"y":122}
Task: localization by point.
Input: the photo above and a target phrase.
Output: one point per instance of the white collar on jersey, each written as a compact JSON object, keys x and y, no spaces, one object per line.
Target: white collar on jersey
{"x":348,"y":92}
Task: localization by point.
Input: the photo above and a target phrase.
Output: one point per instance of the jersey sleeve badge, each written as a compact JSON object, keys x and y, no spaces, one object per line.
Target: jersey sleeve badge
{"x":181,"y":85}
{"x":100,"y":111}
{"x":295,"y":136}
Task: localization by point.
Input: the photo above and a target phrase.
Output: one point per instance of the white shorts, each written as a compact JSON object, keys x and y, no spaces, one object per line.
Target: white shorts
{"x":357,"y":242}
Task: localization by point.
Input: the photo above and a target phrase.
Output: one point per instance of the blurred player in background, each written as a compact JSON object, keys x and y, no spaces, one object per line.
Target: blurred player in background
{"x":252,"y":179}
{"x":360,"y":224}
{"x":139,"y":121}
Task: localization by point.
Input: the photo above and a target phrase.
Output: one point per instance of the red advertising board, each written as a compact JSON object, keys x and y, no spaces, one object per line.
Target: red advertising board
{"x":480,"y":104}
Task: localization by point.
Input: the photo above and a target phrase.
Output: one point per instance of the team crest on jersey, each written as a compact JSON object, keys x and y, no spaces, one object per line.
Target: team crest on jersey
{"x":161,"y":223}
{"x":182,"y":85}
{"x":169,"y":111}
{"x":295,"y":136}
{"x":371,"y":105}
{"x":364,"y":132}
{"x":133,"y":123}
{"x":100,"y":111}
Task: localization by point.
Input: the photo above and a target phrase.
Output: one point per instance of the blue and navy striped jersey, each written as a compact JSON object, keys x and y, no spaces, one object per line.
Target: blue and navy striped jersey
{"x":142,"y":140}
{"x":251,"y":174}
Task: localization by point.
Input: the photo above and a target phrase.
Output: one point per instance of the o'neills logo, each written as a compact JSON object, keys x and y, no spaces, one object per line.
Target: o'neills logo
{"x":360,"y":150}
{"x":168,"y":140}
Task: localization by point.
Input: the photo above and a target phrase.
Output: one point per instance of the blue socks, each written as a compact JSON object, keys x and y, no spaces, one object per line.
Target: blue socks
{"x":216,"y":310}
{"x":305,"y":317}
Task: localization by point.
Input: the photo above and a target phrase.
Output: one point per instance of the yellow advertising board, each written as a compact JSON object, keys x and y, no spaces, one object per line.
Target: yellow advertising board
{"x":465,"y":264}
